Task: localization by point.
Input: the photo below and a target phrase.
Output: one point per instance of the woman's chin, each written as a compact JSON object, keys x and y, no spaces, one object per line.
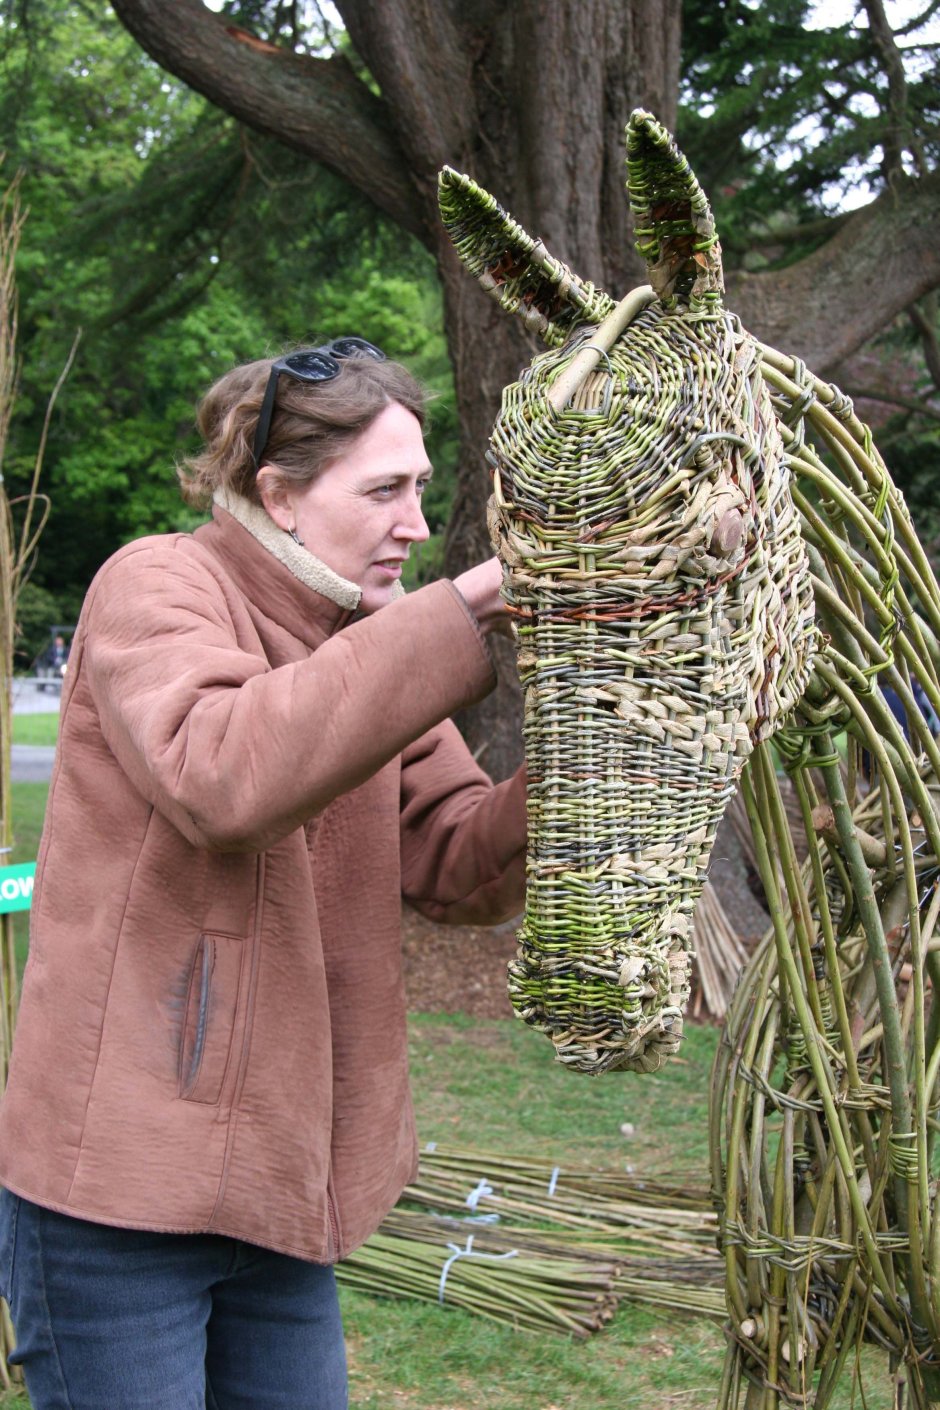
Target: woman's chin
{"x":375,"y":597}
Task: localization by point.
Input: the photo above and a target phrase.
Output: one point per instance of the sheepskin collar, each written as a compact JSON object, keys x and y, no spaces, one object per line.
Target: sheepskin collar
{"x":300,"y":561}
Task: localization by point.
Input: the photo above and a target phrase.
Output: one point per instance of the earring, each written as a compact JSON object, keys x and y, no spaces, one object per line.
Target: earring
{"x":295,"y":536}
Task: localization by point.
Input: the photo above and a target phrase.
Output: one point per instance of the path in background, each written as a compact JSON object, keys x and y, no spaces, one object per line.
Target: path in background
{"x":32,"y":763}
{"x":28,"y":699}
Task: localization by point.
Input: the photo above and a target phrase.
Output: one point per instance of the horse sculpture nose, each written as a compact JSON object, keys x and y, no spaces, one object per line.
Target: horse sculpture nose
{"x":728,"y":535}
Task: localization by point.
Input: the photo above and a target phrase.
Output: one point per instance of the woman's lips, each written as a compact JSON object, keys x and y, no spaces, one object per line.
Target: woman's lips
{"x":391,"y":567}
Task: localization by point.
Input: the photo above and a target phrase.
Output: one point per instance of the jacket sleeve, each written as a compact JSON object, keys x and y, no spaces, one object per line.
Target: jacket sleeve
{"x":237,"y":754}
{"x":463,"y":838}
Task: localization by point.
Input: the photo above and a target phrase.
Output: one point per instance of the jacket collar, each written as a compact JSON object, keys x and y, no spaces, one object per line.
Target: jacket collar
{"x":282,"y":579}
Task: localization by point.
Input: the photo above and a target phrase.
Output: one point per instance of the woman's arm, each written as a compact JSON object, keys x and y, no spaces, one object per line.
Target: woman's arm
{"x":234,"y":753}
{"x":463,"y":838}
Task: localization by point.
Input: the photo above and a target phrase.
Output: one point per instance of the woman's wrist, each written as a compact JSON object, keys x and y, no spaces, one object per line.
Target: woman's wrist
{"x":480,"y":588}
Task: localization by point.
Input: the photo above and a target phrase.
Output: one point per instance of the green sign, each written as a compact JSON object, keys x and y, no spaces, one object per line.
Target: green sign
{"x":16,"y":887}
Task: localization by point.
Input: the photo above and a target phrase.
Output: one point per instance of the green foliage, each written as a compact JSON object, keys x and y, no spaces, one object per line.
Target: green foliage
{"x":37,"y":611}
{"x":787,"y":127}
{"x":783,"y":123}
{"x":914,"y":457}
{"x":180,"y":244}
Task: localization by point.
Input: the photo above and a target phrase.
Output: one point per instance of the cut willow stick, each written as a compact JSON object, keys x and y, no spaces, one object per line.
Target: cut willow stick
{"x":607,"y":1206}
{"x":651,"y":1190}
{"x":534,"y":1294}
{"x":602,"y":340}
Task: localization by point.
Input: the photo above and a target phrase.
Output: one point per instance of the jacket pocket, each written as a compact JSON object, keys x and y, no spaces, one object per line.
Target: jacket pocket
{"x":209,"y":1025}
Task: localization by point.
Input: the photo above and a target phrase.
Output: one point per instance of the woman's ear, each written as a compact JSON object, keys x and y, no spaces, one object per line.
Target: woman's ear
{"x":275,"y":496}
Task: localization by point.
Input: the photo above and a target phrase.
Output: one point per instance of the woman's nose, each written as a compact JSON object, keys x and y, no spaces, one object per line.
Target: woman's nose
{"x":412,"y":524}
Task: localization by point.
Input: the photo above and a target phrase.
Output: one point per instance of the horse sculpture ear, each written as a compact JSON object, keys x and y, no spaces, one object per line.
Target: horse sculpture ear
{"x":517,"y":270}
{"x":672,"y":220}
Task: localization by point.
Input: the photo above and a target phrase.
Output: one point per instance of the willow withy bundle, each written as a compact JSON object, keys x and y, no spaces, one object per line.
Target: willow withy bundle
{"x":704,"y":549}
{"x":542,"y":1248}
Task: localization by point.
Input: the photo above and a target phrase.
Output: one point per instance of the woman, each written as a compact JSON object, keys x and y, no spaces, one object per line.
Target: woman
{"x":208,"y":1102}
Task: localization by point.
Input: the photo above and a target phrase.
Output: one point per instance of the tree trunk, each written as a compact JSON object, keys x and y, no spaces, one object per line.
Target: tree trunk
{"x":530,"y":99}
{"x":553,"y":90}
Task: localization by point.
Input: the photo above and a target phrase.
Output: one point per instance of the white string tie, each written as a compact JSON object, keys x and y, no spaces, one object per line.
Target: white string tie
{"x":467,"y":1252}
{"x":482,"y":1190}
{"x":553,"y":1181}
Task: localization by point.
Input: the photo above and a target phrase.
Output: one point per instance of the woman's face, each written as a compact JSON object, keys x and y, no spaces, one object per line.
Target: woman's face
{"x":361,"y":514}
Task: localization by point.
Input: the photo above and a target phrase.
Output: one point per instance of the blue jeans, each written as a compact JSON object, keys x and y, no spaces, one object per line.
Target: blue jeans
{"x":121,"y":1319}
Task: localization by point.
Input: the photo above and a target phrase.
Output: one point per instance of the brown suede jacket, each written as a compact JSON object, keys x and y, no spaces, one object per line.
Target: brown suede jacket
{"x":212,"y":1028}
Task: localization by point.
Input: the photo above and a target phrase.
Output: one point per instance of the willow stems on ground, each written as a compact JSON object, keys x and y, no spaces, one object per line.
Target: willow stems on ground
{"x":579,"y":1241}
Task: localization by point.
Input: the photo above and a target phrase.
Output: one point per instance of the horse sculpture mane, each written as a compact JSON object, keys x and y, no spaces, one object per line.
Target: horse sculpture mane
{"x":704,"y":553}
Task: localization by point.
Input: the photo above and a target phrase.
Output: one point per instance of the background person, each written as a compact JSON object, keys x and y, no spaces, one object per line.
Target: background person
{"x":58,"y":655}
{"x":208,"y":1103}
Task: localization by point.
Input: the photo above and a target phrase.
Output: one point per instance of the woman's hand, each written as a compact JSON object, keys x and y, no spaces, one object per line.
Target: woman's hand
{"x":480,"y":587}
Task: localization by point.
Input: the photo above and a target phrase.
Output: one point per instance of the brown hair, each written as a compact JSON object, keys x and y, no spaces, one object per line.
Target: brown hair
{"x":313,"y":423}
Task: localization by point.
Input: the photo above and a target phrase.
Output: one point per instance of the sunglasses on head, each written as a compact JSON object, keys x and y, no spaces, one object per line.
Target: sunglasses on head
{"x":308,"y":365}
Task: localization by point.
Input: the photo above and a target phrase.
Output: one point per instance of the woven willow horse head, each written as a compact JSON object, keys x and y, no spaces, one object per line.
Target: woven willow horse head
{"x":671,"y":521}
{"x":665,"y":617}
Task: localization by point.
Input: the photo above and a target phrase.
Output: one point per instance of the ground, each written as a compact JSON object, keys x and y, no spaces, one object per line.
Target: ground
{"x":456,"y":968}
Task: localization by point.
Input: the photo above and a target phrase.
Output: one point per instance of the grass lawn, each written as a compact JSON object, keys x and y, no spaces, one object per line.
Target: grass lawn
{"x":492,"y":1085}
{"x":29,"y":806}
{"x":36,"y":729}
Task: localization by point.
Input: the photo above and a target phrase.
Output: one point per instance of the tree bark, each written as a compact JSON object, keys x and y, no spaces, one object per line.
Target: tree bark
{"x":823,"y":308}
{"x":531,"y":99}
{"x":317,"y":106}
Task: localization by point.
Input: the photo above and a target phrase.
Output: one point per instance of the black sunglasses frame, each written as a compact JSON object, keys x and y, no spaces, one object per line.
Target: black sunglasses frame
{"x":320,"y":364}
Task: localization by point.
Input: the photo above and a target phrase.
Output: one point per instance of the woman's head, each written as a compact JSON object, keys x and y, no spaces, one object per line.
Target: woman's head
{"x":342,"y":463}
{"x":312,"y":424}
